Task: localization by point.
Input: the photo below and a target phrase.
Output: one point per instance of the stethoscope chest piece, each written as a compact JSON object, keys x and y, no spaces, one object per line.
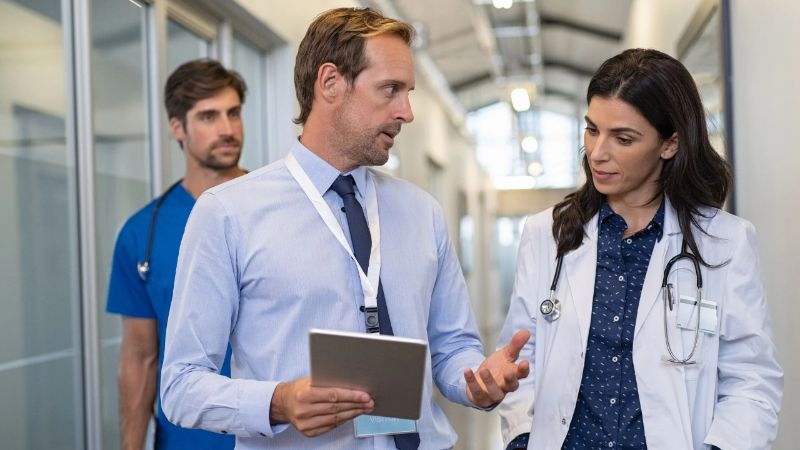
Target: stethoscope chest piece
{"x":143,"y":267}
{"x":550,"y":309}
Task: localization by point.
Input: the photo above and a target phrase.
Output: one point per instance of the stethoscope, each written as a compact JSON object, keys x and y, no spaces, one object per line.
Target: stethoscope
{"x":551,"y":306}
{"x":143,"y":267}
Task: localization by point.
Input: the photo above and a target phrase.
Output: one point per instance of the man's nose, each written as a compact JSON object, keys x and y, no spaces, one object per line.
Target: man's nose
{"x":404,"y":112}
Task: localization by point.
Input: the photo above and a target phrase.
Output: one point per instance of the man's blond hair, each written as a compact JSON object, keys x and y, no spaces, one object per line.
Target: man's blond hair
{"x":338,"y":36}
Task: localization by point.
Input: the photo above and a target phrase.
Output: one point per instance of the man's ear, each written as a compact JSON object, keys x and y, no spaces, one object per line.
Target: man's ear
{"x":178,"y":130}
{"x":670,"y":147}
{"x":330,"y":83}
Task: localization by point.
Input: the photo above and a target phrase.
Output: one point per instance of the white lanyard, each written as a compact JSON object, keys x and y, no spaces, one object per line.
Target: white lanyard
{"x":369,"y":281}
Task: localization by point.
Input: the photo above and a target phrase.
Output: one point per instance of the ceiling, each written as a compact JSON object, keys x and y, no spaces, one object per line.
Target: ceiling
{"x":549,"y":47}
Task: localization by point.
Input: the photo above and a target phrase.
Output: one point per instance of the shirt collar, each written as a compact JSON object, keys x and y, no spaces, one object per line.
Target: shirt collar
{"x":322,"y":174}
{"x":657,"y":221}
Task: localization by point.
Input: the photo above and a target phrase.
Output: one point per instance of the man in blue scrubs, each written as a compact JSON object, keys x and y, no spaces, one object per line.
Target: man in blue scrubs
{"x":203,"y":102}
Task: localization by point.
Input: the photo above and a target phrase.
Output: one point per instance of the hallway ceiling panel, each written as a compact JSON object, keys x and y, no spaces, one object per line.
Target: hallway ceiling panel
{"x":483,"y":51}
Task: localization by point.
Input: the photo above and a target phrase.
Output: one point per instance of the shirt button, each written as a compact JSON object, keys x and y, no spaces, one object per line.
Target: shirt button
{"x":628,"y":241}
{"x":613,"y":401}
{"x":615,"y":359}
{"x":610,"y":444}
{"x":563,"y":421}
{"x":615,"y":319}
{"x":621,"y":278}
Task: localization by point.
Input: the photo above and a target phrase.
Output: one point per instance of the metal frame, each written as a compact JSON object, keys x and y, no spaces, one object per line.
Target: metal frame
{"x":697,"y":24}
{"x":71,"y":145}
{"x":80,"y":125}
{"x":156,"y":29}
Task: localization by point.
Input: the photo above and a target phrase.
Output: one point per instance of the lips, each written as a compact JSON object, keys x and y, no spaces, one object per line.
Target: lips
{"x":227,"y":145}
{"x":600,"y":175}
{"x":390,"y":133}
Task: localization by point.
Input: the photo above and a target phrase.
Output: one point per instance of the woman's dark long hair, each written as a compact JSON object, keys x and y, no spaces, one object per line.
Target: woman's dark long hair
{"x":663,"y":91}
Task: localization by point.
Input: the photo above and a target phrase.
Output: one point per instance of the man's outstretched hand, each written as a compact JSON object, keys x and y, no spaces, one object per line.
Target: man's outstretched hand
{"x":499,"y":374}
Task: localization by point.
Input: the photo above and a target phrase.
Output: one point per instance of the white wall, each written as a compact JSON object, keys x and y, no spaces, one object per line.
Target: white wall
{"x":766,"y":96}
{"x":765,"y":101}
{"x":658,"y":23}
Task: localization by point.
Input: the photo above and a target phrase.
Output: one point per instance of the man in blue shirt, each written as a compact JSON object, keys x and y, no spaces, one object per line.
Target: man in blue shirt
{"x":203,"y":102}
{"x":272,"y":254}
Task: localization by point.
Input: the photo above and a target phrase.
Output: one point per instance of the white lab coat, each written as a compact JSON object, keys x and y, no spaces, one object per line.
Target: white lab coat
{"x":731,"y":399}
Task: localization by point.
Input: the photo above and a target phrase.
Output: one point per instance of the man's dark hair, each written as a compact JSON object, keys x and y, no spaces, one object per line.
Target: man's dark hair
{"x":198,"y":80}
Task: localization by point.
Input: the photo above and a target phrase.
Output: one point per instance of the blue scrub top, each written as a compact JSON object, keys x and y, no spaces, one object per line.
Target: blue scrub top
{"x":129,"y":296}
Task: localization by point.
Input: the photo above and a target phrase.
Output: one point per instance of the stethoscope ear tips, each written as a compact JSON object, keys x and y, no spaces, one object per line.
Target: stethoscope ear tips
{"x":143,"y":268}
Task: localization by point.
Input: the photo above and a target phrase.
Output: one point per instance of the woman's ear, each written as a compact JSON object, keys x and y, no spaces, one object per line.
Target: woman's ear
{"x":670,"y":147}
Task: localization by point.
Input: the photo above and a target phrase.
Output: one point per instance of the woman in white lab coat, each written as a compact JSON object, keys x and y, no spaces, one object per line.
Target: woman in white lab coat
{"x":617,"y":361}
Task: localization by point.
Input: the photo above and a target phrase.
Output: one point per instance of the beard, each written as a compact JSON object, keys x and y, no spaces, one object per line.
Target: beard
{"x":361,"y":146}
{"x":209,"y":160}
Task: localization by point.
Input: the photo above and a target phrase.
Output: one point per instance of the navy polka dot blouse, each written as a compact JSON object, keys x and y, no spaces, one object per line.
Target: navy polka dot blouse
{"x":608,"y":413}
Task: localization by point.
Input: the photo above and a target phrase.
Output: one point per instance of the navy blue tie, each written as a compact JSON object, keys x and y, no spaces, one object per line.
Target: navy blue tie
{"x":344,"y":185}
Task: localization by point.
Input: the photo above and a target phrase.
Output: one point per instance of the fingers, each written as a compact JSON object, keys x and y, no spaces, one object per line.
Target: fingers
{"x":334,"y":395}
{"x":518,"y":341}
{"x":523,"y":369}
{"x":332,"y":409}
{"x":319,"y":410}
{"x":493,"y":389}
{"x":322,"y":418}
{"x":489,"y":387}
{"x":510,"y":380}
{"x":483,"y":390}
{"x":475,"y":391}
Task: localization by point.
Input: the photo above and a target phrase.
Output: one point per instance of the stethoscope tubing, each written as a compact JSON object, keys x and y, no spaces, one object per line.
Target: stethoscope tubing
{"x":143,"y":267}
{"x":550,"y":308}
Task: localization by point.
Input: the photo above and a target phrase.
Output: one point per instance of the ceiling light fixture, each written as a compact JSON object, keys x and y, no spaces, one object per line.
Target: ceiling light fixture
{"x":502,"y":4}
{"x":535,"y":169}
{"x":520,"y":100}
{"x":530,"y":144}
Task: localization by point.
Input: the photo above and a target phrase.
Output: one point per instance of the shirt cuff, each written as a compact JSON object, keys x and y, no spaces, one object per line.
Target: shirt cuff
{"x":255,"y":398}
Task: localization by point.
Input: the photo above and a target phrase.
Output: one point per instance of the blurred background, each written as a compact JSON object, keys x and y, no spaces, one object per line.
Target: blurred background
{"x":499,"y":112}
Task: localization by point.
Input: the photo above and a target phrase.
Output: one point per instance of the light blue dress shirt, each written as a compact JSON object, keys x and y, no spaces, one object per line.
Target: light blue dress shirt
{"x":258,"y":267}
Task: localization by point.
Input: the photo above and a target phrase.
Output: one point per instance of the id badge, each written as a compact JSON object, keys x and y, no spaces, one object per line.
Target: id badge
{"x":687,"y":308}
{"x":367,"y":426}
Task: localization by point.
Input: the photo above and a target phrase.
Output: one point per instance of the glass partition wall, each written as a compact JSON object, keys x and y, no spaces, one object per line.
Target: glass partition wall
{"x":77,"y":107}
{"x":40,"y":355}
{"x":121,"y":163}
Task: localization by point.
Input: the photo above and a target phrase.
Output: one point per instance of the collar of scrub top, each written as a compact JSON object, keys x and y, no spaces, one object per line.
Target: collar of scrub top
{"x":322,"y":174}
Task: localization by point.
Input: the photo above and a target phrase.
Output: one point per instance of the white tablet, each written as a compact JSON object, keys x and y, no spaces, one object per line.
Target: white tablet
{"x":390,"y":368}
